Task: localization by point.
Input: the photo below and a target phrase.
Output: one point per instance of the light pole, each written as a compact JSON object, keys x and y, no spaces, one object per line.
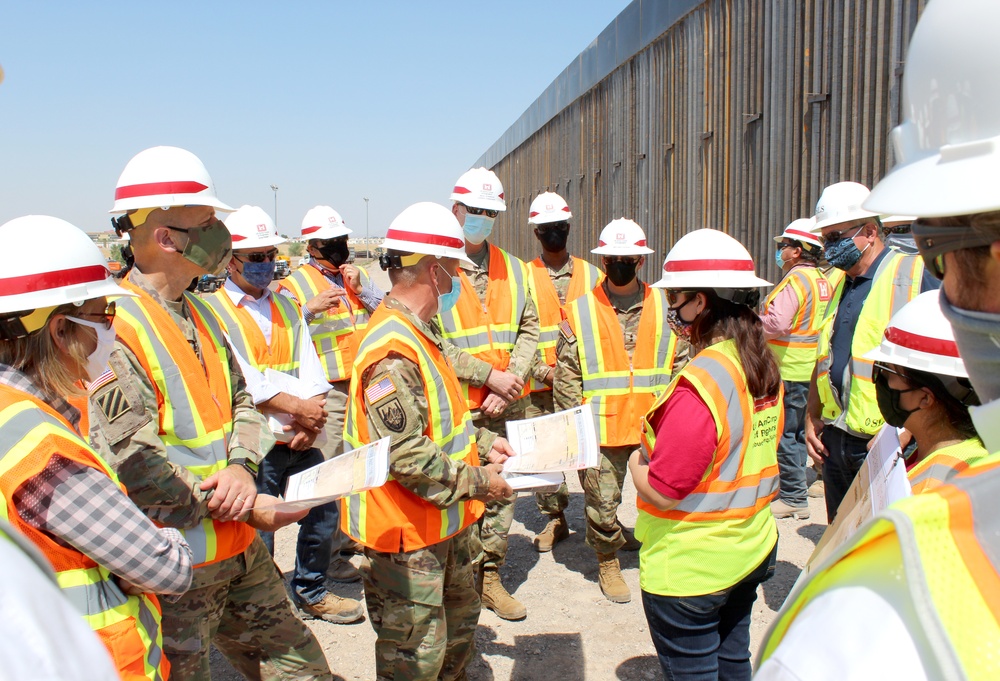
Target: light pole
{"x":368,"y":246}
{"x":274,"y":188}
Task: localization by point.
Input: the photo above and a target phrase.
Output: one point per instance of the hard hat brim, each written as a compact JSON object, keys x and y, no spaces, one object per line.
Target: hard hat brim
{"x":168,"y":201}
{"x":891,"y":353}
{"x":700,"y":280}
{"x":62,"y":296}
{"x":247,"y":244}
{"x":631,"y":250}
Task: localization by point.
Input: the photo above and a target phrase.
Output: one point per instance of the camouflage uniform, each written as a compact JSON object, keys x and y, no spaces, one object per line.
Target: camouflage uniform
{"x":602,"y":487}
{"x":227,"y":599}
{"x":422,"y":604}
{"x":495,"y":524}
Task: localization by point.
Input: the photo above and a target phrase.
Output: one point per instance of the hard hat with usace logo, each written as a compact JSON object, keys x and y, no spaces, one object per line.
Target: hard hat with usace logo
{"x":622,"y":237}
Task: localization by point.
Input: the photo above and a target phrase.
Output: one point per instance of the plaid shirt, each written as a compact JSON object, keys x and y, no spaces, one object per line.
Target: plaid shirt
{"x":80,"y":507}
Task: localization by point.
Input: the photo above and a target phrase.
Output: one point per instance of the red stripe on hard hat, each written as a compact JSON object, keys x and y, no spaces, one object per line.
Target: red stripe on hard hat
{"x":48,"y":280}
{"x":432,"y":239}
{"x":461,"y":190}
{"x":310,"y":230}
{"x":914,"y":341}
{"x":533,"y":213}
{"x":694,"y":265}
{"x":640,"y":242}
{"x":565,"y":209}
{"x":500,"y":195}
{"x":237,"y":237}
{"x":156,"y":188}
{"x":807,"y":235}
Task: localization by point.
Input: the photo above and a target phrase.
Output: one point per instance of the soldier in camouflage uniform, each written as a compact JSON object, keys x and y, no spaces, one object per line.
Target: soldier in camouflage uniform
{"x":417,"y":529}
{"x":237,"y":600}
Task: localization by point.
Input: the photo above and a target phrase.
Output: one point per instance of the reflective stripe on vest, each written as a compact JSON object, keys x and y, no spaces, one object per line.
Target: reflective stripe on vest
{"x":129,"y":626}
{"x":337,"y":332}
{"x":943,"y":547}
{"x":550,"y":312}
{"x":796,"y":351}
{"x":195,"y":398}
{"x":621,"y":391}
{"x":896,"y":282}
{"x":488,"y":330}
{"x":944,"y":464}
{"x":391,"y":518}
{"x":283,"y":353}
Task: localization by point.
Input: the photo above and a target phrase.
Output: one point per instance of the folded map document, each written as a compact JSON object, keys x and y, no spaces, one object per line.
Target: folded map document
{"x":356,"y":471}
{"x":548,"y":445}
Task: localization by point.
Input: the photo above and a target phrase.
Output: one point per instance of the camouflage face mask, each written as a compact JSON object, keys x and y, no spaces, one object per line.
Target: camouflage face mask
{"x":209,"y":247}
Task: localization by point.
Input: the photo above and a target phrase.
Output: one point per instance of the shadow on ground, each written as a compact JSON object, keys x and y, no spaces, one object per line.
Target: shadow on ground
{"x":538,"y":656}
{"x":777,"y":588}
{"x":639,"y":669}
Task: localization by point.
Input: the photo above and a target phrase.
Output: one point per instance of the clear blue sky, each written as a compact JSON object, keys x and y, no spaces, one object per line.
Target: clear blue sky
{"x":331,"y":101}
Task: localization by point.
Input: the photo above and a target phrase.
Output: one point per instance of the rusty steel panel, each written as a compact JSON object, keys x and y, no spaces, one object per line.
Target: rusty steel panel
{"x":732,"y":114}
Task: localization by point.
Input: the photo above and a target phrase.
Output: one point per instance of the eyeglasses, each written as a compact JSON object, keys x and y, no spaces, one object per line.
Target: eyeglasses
{"x":268,"y":256}
{"x":108,"y":316}
{"x":783,"y":245}
{"x":933,"y":241}
{"x":673,"y":299}
{"x":482,"y":211}
{"x":553,"y":227}
{"x":834,"y":237}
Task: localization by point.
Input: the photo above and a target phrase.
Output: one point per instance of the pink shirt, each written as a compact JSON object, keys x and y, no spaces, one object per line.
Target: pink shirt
{"x":780,"y":314}
{"x":686,"y":442}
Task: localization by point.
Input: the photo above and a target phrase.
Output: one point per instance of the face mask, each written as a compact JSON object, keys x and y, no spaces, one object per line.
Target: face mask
{"x":843,"y":254}
{"x":553,"y":240}
{"x":209,"y":248}
{"x":477,"y":228}
{"x":446,"y":301}
{"x":259,"y":274}
{"x":97,"y":361}
{"x":336,"y":252}
{"x":681,"y":328}
{"x":620,"y":272}
{"x":779,"y":260}
{"x":888,"y":402}
{"x":978,"y":337}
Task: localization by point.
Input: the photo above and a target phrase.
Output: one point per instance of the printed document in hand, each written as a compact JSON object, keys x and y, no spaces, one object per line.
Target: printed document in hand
{"x":548,"y":445}
{"x":356,"y":471}
{"x":287,"y":383}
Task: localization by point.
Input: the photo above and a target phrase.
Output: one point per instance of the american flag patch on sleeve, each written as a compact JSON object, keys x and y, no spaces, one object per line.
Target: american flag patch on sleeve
{"x":102,"y":380}
{"x":381,"y":390}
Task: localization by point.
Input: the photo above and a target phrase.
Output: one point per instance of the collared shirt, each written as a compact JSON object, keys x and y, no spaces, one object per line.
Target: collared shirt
{"x":779,"y":315}
{"x":370,"y":295}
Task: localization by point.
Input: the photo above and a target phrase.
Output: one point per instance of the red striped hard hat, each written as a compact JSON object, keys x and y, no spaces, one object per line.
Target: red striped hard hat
{"x":479,"y":188}
{"x":251,"y":227}
{"x":708,"y":258}
{"x":323,"y":222}
{"x":163,"y":177}
{"x":427,"y":228}
{"x":919,"y":337}
{"x":800,"y":230}
{"x":548,"y":207}
{"x":622,"y":237}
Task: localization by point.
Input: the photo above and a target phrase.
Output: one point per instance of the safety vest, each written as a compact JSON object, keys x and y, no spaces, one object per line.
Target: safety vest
{"x":723,"y":529}
{"x":944,"y":464}
{"x":31,"y":433}
{"x":796,"y":351}
{"x":283,"y":353}
{"x":621,"y":391}
{"x":488,"y":330}
{"x":550,"y":311}
{"x":896,"y":282}
{"x":195,"y":402}
{"x":337,"y":332}
{"x":932,"y":558}
{"x":391,"y":518}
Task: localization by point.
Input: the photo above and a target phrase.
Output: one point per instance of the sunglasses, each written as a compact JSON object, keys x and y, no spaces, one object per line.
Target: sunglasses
{"x":553,"y":227}
{"x":673,"y":297}
{"x":481,"y":211}
{"x":834,"y":237}
{"x":783,"y":245}
{"x":267,"y":256}
{"x":934,"y":242}
{"x":108,"y":316}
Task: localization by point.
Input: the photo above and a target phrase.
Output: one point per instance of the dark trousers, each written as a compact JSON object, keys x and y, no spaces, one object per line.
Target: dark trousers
{"x":315,"y":542}
{"x":792,"y":447}
{"x":707,"y":638}
{"x":846,"y":455}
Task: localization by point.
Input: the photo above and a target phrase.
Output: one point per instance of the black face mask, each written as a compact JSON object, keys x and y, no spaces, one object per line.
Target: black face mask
{"x":554,"y":239}
{"x":620,"y":272}
{"x":888,"y":402}
{"x":336,"y":252}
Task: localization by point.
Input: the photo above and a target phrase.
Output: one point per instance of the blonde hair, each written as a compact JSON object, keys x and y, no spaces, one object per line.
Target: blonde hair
{"x":38,"y":357}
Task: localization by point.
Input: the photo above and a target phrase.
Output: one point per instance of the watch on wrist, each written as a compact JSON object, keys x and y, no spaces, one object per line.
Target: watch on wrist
{"x":249,"y":465}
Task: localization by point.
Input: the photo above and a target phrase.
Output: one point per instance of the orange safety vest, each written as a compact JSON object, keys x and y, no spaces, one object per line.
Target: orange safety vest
{"x":391,"y":518}
{"x":621,"y":391}
{"x":944,"y":464}
{"x":282,"y":353}
{"x":31,"y":433}
{"x":488,"y":330}
{"x":194,"y":402}
{"x":337,"y":332}
{"x":550,"y":311}
{"x":796,"y":350}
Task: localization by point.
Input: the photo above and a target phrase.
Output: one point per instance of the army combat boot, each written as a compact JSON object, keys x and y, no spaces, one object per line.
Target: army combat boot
{"x":333,"y":608}
{"x":610,"y":578}
{"x":554,"y":532}
{"x":496,"y":598}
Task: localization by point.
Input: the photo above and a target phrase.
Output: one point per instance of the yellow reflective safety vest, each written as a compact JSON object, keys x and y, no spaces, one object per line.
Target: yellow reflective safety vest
{"x":620,"y":391}
{"x":391,"y":518}
{"x":848,"y":402}
{"x":488,"y":330}
{"x":337,"y":332}
{"x":944,"y":464}
{"x":31,"y":433}
{"x":283,"y":353}
{"x":550,"y":311}
{"x":724,"y":529}
{"x":195,"y":402}
{"x":796,"y":351}
{"x":933,"y":558}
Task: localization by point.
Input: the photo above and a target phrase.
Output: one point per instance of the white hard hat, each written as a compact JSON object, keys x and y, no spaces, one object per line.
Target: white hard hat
{"x":622,"y":237}
{"x":479,"y":188}
{"x":895,"y":220}
{"x":919,"y":337}
{"x":323,"y":222}
{"x":427,"y":228}
{"x":948,"y":146}
{"x":251,"y":227}
{"x":162,"y":177}
{"x":72,"y":271}
{"x":708,"y":258}
{"x":548,"y":207}
{"x":841,"y":203}
{"x":800,"y":230}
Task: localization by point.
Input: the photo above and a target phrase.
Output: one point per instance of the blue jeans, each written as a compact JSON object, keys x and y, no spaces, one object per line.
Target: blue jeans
{"x":792,"y":446}
{"x":846,"y":455}
{"x":312,"y":552}
{"x":706,"y":638}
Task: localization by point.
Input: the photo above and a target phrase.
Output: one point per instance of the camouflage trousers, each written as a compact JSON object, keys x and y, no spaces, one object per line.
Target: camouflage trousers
{"x":240,"y":605}
{"x":424,"y":608}
{"x":602,"y":495}
{"x":549,"y":503}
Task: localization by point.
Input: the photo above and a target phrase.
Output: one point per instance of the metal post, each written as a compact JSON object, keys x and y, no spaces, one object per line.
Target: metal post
{"x":368,"y":248}
{"x":274,"y":188}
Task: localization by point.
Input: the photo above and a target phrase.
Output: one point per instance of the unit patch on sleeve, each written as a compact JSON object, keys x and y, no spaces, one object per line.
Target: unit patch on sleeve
{"x":113,"y":403}
{"x":392,"y":415}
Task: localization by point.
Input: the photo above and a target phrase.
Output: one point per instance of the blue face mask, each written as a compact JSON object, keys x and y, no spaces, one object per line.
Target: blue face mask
{"x":844,"y":253}
{"x":259,"y":274}
{"x":477,"y":228}
{"x":446,"y":301}
{"x":778,"y":259}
